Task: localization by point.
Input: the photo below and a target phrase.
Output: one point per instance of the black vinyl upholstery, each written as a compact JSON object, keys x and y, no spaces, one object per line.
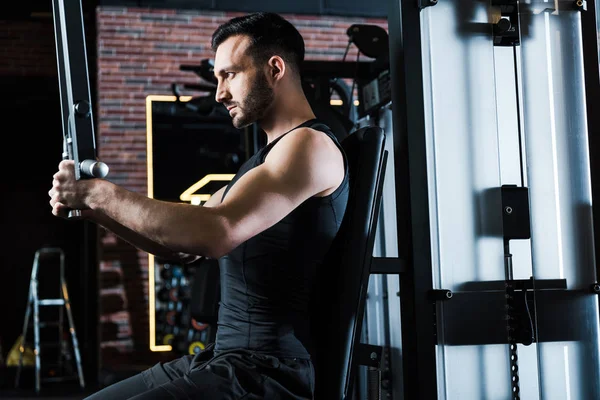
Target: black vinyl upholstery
{"x":339,"y":299}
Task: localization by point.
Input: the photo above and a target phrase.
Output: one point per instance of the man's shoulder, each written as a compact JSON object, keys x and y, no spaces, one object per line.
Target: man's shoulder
{"x":309,"y":139}
{"x":311,"y":153}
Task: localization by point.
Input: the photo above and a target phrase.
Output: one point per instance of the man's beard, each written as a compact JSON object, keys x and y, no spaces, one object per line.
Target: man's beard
{"x":256,"y":105}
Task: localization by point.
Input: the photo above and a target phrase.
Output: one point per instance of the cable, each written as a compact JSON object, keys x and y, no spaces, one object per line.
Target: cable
{"x":343,"y":59}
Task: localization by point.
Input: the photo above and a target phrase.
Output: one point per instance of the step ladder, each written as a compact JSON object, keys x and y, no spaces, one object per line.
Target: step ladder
{"x":33,"y":307}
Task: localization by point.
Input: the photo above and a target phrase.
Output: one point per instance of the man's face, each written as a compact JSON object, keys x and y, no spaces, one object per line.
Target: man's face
{"x":242,"y":87}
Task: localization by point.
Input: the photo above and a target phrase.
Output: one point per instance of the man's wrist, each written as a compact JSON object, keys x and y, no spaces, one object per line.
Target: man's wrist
{"x":98,"y":189}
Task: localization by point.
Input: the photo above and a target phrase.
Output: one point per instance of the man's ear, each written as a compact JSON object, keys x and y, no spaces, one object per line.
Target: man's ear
{"x":277,"y":68}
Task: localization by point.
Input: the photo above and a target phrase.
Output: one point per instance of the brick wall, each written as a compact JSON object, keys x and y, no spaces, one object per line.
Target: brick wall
{"x":139,"y":52}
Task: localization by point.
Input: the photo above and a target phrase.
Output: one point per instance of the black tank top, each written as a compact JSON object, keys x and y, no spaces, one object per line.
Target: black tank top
{"x":266,"y":281}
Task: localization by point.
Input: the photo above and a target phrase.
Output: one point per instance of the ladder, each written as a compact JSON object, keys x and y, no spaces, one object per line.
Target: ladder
{"x":33,"y":307}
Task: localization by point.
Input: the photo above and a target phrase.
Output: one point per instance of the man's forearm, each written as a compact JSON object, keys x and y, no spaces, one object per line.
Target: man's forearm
{"x":137,"y":240}
{"x":156,"y":224}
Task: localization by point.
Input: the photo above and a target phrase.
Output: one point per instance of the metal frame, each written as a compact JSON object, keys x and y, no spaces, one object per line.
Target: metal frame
{"x":79,"y":140}
{"x":414,"y":246}
{"x":418,"y":332}
{"x":76,"y":102}
{"x":589,"y":26}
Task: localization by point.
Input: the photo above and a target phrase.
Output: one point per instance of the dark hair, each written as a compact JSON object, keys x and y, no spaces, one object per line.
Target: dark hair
{"x":270,"y":34}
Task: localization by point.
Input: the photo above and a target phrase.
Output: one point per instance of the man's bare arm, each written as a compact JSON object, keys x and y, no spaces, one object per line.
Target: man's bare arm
{"x":306,"y":163}
{"x":135,"y":239}
{"x":140,"y":241}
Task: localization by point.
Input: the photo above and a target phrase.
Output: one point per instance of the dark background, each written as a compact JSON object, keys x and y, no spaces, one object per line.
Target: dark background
{"x":32,"y":151}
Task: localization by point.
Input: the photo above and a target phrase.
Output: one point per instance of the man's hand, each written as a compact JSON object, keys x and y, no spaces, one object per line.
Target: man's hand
{"x":67,"y":193}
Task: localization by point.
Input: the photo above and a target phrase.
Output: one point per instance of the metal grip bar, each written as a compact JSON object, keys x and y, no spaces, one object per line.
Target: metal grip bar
{"x":76,"y":105}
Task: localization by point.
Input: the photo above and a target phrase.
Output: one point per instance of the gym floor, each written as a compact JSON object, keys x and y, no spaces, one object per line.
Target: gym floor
{"x":63,"y":393}
{"x":65,"y":390}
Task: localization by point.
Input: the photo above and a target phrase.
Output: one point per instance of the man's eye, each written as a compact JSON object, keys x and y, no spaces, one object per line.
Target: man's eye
{"x":230,"y":74}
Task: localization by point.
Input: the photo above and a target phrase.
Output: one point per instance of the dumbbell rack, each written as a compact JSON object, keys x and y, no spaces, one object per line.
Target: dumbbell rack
{"x":174,"y":324}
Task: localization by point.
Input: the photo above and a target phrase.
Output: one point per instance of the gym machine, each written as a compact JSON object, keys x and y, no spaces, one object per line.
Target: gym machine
{"x":79,"y":142}
{"x":493,"y":121}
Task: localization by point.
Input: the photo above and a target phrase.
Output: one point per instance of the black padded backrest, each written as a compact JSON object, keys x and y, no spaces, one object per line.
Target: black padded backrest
{"x":341,"y":288}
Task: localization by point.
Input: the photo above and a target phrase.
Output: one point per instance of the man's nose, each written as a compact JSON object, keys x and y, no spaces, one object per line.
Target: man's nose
{"x":221,"y":94}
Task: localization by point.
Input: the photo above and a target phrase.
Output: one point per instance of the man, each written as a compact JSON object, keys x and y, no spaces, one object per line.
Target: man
{"x":270,"y":227}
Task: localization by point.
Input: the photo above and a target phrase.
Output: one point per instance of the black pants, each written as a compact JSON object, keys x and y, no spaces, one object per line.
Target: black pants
{"x":227,"y":376}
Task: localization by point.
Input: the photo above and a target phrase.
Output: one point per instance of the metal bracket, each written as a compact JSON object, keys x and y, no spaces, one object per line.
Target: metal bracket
{"x":440,"y":294}
{"x":368,"y":355}
{"x":435,"y":296}
{"x":515,"y":212}
{"x":477,"y":312}
{"x":388,"y":265}
{"x":580,"y":5}
{"x":506,"y":28}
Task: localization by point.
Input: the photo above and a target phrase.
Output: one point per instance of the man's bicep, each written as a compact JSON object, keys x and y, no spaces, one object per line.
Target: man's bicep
{"x":215,"y":199}
{"x":257,"y":201}
{"x":264,"y":195}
